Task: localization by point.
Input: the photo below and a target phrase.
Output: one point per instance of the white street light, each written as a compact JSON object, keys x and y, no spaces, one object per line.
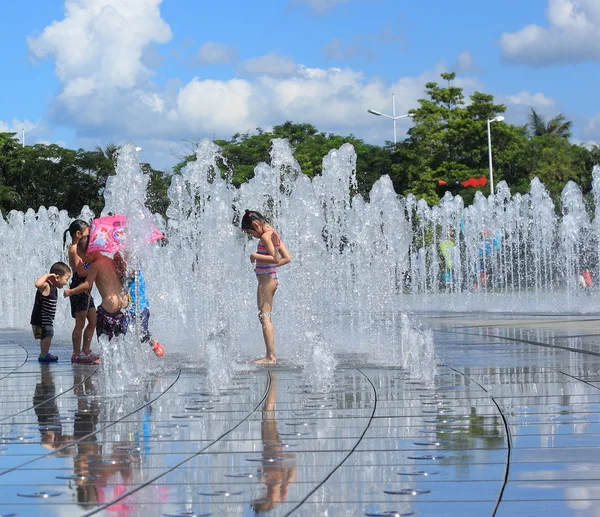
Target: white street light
{"x":499,"y":118}
{"x":393,"y":116}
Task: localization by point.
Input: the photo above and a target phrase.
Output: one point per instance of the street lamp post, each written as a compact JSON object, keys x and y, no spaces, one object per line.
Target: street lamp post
{"x":499,"y":118}
{"x":393,"y":116}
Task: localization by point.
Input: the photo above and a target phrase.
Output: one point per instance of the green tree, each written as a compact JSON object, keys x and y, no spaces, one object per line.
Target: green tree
{"x":157,"y":199}
{"x":449,"y":140}
{"x":558,"y":126}
{"x":245,"y":151}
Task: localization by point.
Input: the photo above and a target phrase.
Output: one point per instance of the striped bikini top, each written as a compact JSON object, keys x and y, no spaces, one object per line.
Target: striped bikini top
{"x":264,"y":267}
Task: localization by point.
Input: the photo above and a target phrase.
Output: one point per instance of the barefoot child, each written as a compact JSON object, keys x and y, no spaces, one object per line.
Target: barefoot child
{"x":110,"y":321}
{"x":82,"y":305}
{"x":44,"y":308}
{"x":270,"y":254}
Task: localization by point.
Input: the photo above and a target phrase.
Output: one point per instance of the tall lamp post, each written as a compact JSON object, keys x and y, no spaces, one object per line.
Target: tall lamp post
{"x":392,"y":116}
{"x":499,"y":118}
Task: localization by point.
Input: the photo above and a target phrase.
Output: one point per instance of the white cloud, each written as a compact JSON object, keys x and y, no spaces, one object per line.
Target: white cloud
{"x":319,"y":6}
{"x":104,"y":107}
{"x":592,"y":128}
{"x":465,"y":62}
{"x":16,"y":126}
{"x":571,"y":36}
{"x":210,"y":105}
{"x":534,"y":100}
{"x":212,"y":53}
{"x":35,"y":132}
{"x":270,"y":64}
{"x":520,"y":104}
{"x":100,"y":43}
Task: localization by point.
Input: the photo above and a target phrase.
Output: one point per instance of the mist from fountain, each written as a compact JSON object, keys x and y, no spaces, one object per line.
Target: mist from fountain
{"x":359,"y":267}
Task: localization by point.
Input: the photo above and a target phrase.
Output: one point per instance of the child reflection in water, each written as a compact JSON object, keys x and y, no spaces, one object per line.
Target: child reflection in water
{"x":46,"y":410}
{"x":278,"y":467}
{"x":100,"y":475}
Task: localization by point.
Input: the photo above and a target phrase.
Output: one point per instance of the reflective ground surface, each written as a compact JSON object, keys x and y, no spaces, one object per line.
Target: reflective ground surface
{"x":511,"y":427}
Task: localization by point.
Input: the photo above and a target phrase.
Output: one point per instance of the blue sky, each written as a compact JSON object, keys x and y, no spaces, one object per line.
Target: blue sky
{"x":163,"y":73}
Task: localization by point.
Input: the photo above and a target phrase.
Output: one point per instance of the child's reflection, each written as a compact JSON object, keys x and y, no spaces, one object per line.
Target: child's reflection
{"x":46,"y":410}
{"x":278,"y":467}
{"x":98,"y":475}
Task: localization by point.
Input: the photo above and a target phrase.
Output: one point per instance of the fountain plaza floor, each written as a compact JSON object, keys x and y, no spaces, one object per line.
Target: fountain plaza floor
{"x":510,"y":427}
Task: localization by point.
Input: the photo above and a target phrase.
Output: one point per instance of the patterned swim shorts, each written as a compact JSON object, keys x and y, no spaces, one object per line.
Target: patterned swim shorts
{"x":111,"y":324}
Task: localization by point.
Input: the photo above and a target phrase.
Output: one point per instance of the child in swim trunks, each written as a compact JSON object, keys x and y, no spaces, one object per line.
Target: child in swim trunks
{"x":44,"y":308}
{"x":111,"y":320}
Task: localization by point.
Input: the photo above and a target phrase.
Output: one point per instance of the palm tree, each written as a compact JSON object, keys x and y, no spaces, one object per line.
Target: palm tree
{"x":110,"y":151}
{"x":558,"y":126}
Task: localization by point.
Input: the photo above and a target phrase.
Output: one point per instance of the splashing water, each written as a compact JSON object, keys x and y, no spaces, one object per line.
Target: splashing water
{"x":319,"y":362}
{"x":359,"y":267}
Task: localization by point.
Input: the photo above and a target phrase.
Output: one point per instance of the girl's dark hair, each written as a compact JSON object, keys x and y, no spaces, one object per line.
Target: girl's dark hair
{"x":250,"y":216}
{"x":78,"y":225}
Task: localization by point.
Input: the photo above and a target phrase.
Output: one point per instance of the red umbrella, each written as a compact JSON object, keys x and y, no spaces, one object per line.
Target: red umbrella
{"x":108,"y":234}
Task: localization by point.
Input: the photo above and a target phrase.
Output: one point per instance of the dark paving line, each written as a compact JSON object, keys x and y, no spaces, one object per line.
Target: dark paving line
{"x":21,"y":365}
{"x":580,"y":380}
{"x":45,"y":402}
{"x":97,"y":431}
{"x":200,"y":452}
{"x":527,"y":341}
{"x":347,"y":455}
{"x":508,"y":440}
{"x":518,"y":315}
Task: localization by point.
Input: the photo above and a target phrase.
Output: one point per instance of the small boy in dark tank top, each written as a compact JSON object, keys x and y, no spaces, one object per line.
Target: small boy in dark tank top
{"x":44,"y":307}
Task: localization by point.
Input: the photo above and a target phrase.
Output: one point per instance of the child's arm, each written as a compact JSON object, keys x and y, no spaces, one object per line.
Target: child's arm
{"x":76,"y":263}
{"x":286,"y":258}
{"x":85,"y":286}
{"x":42,"y":284}
{"x":272,"y":257}
{"x":121,"y":266}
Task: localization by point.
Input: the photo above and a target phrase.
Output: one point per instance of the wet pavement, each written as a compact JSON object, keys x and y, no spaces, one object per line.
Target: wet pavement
{"x":509,"y":427}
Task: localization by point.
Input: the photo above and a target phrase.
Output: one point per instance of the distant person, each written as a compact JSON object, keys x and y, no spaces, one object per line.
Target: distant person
{"x":446,"y":250}
{"x":585,"y":281}
{"x":44,"y":307}
{"x":135,"y":286}
{"x":111,"y":321}
{"x":270,"y":254}
{"x":82,"y":305}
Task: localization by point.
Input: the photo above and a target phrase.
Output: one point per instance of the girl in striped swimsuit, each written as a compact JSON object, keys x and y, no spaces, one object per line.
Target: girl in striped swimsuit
{"x":270,"y":254}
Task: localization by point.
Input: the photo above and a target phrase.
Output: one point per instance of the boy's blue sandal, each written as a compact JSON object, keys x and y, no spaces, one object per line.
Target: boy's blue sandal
{"x":48,"y":358}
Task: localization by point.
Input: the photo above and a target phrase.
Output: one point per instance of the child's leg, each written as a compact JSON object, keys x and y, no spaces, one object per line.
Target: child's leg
{"x":78,"y":331}
{"x":144,"y":322}
{"x":88,"y":334}
{"x":264,"y":298}
{"x":146,"y":337}
{"x":45,"y":343}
